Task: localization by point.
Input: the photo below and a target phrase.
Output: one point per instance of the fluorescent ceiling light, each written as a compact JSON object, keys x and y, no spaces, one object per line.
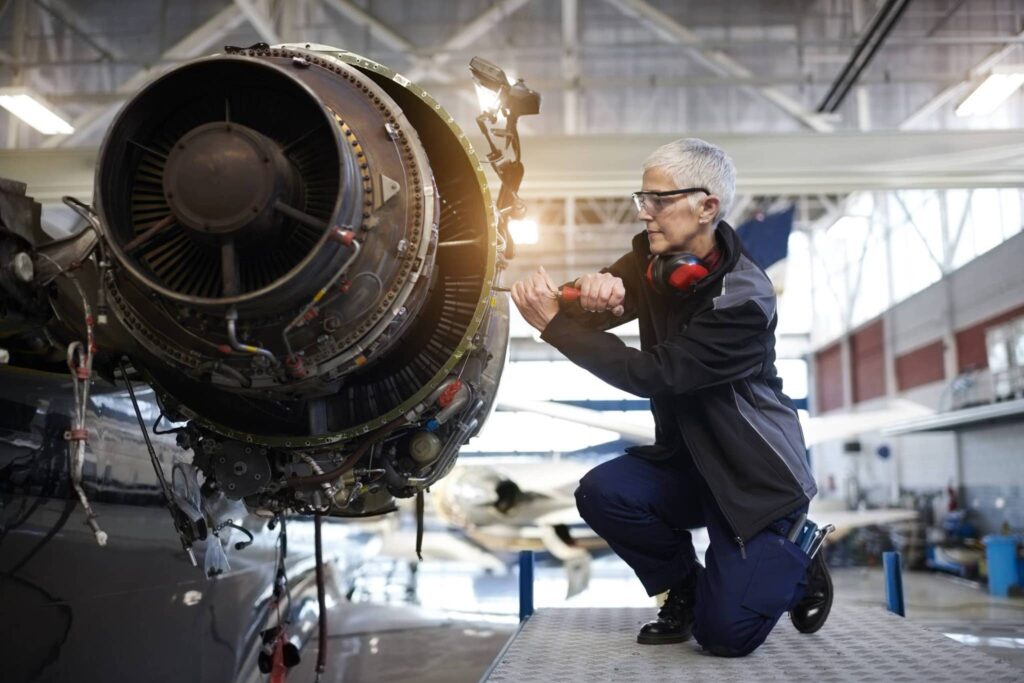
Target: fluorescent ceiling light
{"x":524,"y":231}
{"x":34,"y":112}
{"x":990,"y":94}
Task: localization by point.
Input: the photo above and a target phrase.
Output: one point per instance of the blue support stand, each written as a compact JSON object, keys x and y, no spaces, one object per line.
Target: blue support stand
{"x":893,"y":583}
{"x":525,"y":584}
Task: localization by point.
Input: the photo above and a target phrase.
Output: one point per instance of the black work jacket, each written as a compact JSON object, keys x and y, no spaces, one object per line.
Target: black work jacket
{"x":707,"y":363}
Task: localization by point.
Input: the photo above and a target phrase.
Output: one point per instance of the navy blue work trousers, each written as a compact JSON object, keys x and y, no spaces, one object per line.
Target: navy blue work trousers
{"x":645,"y":509}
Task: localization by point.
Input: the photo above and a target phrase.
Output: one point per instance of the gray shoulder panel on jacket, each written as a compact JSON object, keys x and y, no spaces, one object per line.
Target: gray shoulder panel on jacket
{"x":747,"y":283}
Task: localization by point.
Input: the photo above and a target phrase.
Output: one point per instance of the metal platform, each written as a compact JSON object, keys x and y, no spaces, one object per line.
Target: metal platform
{"x":857,"y":644}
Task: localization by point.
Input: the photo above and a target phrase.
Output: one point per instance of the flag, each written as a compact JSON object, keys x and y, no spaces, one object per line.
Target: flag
{"x":766,"y":239}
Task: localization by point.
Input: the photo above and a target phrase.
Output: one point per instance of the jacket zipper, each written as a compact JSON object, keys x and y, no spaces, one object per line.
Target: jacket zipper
{"x":696,"y":463}
{"x":706,"y":282}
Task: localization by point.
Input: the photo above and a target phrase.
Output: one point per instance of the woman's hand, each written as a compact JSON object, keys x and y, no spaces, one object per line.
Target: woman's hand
{"x":601,"y":292}
{"x":536,"y":297}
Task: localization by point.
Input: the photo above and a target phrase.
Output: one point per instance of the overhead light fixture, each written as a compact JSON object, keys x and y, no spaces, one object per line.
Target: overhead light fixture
{"x":496,"y":92}
{"x":34,"y":111}
{"x":524,"y":230}
{"x":491,"y":84}
{"x":488,"y":99}
{"x":993,"y":91}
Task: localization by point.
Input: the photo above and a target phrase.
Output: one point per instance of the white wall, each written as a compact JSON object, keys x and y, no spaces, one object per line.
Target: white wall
{"x":987,"y":464}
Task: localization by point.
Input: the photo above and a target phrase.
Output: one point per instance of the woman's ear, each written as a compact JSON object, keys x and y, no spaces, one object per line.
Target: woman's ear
{"x":709,"y":209}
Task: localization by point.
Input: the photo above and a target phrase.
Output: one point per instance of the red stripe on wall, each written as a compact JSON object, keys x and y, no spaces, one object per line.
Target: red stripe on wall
{"x":970,"y":341}
{"x":828,"y":373}
{"x":867,"y":359}
{"x":920,"y":366}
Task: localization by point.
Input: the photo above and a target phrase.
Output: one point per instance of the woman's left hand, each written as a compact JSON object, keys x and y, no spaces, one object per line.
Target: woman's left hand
{"x":536,"y":298}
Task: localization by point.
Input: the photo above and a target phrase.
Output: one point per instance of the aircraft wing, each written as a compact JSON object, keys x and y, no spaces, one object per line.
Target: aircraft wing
{"x":818,"y":429}
{"x":628,"y":430}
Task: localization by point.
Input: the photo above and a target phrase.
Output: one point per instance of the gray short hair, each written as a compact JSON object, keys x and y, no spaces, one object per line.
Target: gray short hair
{"x":695,"y":163}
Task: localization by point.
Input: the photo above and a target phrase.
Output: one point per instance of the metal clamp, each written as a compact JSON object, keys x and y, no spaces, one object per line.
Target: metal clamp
{"x":819,"y":539}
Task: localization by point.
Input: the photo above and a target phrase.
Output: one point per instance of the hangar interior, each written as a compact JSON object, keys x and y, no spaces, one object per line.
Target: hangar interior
{"x":880,"y":170}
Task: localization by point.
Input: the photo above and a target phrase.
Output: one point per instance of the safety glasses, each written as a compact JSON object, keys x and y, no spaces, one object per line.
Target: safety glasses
{"x":653,"y":202}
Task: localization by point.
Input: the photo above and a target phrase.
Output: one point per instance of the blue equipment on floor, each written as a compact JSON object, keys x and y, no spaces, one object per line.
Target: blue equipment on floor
{"x":1001,"y":553}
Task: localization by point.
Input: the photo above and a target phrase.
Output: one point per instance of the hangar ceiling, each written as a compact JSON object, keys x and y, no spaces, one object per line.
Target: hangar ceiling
{"x":805,"y":94}
{"x":606,"y":66}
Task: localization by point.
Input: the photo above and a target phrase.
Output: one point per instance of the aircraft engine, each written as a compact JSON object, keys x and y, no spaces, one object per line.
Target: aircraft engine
{"x":296,"y":247}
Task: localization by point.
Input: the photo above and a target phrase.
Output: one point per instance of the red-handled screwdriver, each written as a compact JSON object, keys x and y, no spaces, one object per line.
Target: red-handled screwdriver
{"x":567,"y":294}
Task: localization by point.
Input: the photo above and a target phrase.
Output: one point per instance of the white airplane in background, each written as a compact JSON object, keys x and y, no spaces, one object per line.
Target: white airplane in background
{"x":816,"y":429}
{"x":529,"y":504}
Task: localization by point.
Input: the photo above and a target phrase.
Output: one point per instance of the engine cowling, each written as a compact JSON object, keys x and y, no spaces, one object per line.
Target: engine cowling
{"x":298,"y":247}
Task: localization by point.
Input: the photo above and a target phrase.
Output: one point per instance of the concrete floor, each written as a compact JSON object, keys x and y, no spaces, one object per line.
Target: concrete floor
{"x":447,"y":622}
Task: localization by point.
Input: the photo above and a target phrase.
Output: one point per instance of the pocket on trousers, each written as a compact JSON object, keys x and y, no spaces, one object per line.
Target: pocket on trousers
{"x":779,"y":570}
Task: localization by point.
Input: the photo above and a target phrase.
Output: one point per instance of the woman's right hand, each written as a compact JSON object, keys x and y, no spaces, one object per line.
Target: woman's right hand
{"x":601,"y":292}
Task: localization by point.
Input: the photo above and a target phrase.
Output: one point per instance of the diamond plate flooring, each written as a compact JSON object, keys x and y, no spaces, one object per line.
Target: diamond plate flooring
{"x":857,"y":644}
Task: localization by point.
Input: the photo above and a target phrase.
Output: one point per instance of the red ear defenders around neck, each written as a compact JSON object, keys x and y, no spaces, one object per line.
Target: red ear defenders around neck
{"x":675,"y":273}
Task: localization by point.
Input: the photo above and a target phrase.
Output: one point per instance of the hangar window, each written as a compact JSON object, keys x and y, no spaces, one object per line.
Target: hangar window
{"x":887,"y":247}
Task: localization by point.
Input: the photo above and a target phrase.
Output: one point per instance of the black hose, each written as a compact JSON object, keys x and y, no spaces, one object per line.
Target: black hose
{"x":419,"y":525}
{"x":321,"y":653}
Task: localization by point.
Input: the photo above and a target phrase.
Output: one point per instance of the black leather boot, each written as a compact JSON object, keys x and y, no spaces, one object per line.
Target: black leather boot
{"x":810,"y":613}
{"x":675,"y":618}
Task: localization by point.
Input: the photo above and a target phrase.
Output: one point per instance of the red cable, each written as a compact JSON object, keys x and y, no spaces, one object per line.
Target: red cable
{"x":278,"y":670}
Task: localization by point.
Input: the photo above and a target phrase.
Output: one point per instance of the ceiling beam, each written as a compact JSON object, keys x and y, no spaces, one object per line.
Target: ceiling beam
{"x":468,"y":34}
{"x":881,"y":26}
{"x":941,"y":23}
{"x":784,"y":164}
{"x":556,"y":83}
{"x":571,"y":66}
{"x":385,"y":34}
{"x":82,"y":28}
{"x":196,"y":42}
{"x":670,"y":30}
{"x":378,"y":29}
{"x":260,"y":20}
{"x":610,"y":165}
{"x":20,"y":30}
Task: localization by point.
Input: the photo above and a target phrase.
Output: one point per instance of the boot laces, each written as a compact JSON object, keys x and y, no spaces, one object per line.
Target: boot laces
{"x":675,"y":603}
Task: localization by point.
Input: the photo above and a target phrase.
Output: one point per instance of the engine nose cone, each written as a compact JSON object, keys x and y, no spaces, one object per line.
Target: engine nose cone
{"x":221,"y":176}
